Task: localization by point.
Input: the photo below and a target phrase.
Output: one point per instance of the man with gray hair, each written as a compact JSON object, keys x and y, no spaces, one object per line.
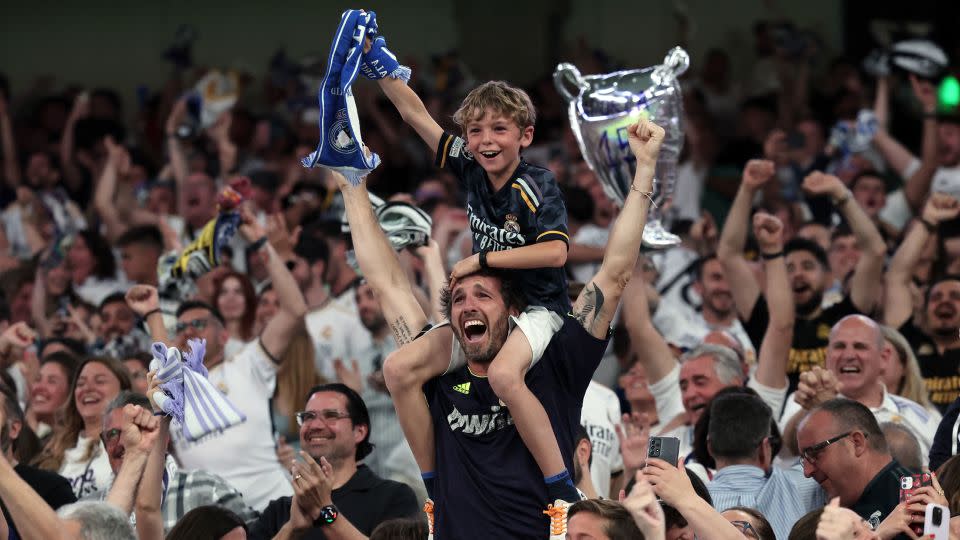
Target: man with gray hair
{"x":903,"y":445}
{"x":89,"y":520}
{"x":682,"y":390}
{"x":854,"y":371}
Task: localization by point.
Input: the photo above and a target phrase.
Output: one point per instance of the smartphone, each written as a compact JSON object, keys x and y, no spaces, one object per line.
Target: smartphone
{"x":665,"y":448}
{"x":908,"y":485}
{"x":936,"y":522}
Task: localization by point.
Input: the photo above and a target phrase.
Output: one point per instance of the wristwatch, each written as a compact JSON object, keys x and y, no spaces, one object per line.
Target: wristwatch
{"x":328,"y":514}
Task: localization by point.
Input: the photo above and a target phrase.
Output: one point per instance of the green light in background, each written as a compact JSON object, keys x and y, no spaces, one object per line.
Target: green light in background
{"x":949,"y":93}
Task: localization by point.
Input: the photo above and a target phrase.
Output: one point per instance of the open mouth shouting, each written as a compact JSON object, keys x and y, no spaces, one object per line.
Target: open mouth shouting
{"x":474,"y":330}
{"x":490,"y":154}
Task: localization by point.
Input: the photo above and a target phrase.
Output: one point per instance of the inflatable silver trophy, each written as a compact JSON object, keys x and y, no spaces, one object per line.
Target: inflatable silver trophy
{"x":602,"y":109}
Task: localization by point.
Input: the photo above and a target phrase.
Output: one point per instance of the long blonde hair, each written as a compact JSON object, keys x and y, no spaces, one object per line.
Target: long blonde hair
{"x":297,"y":374}
{"x":912,"y":386}
{"x":70,"y":425}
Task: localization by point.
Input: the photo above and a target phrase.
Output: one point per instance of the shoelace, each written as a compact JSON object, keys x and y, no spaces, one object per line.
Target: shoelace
{"x":558,"y":519}
{"x":428,"y":508}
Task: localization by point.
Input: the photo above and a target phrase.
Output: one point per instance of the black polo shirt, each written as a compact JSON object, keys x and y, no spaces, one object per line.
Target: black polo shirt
{"x":366,"y":500}
{"x":54,"y":489}
{"x":882,"y":494}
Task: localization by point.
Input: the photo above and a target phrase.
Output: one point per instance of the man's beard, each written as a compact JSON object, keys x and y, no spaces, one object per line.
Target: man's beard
{"x":495,"y":340}
{"x":374,"y":324}
{"x":945,"y":332}
{"x":5,"y":441}
{"x":577,"y":471}
{"x":810,"y":306}
{"x":712,"y":305}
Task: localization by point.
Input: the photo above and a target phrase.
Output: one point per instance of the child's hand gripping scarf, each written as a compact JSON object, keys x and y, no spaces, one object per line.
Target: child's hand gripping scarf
{"x":186,"y":395}
{"x":341,"y":147}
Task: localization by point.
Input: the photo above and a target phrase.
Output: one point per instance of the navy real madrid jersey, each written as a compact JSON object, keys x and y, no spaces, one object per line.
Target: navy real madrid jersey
{"x":527,"y":210}
{"x":488,"y":484}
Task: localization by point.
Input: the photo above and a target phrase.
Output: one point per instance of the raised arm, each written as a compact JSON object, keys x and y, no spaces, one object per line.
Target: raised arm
{"x":279,"y":331}
{"x":145,"y":302}
{"x":652,"y":350}
{"x":68,"y":164}
{"x":118,"y":162}
{"x":219,"y":133}
{"x":11,"y":165}
{"x":140,"y":430}
{"x":898,"y":302}
{"x":178,"y":160}
{"x":150,"y":495}
{"x":598,"y":302}
{"x":435,"y":277}
{"x":775,"y":347}
{"x":917,"y":186}
{"x":733,"y":237}
{"x":673,"y":486}
{"x":864,"y":292}
{"x":29,"y":512}
{"x":412,"y":110}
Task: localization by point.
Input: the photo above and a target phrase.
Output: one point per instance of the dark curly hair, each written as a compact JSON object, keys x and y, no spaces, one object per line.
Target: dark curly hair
{"x":513,"y":297}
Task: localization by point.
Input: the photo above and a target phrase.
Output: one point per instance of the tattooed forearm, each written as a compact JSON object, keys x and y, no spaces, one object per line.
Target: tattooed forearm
{"x":588,"y":305}
{"x":401,"y":331}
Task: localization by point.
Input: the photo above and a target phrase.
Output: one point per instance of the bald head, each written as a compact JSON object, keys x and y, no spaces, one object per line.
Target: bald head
{"x":861,"y":325}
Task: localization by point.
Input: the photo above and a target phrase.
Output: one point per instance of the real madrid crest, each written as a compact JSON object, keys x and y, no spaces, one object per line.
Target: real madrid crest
{"x":511,"y":225}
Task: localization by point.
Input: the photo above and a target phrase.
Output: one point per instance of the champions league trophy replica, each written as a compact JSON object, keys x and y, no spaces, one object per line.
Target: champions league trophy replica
{"x":602,"y":110}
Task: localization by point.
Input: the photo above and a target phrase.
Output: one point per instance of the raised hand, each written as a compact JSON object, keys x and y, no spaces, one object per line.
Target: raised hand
{"x":756,"y":173}
{"x":940,"y":207}
{"x":818,"y":183}
{"x":81,"y":107}
{"x":898,"y":522}
{"x":646,"y":510}
{"x":669,"y":482}
{"x":837,"y":523}
{"x":139,"y":430}
{"x":177,"y":113}
{"x":925,"y":93}
{"x":816,"y":387}
{"x":775,"y":147}
{"x":117,"y":155}
{"x":143,"y":299}
{"x":465,"y":267}
{"x":249,"y":227}
{"x":645,"y":139}
{"x":17,"y":336}
{"x":279,"y":237}
{"x":349,"y":376}
{"x":768,"y":230}
{"x":633,"y":432}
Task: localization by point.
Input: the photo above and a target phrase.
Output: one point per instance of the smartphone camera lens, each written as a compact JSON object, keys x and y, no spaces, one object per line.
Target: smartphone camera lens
{"x":937,"y":516}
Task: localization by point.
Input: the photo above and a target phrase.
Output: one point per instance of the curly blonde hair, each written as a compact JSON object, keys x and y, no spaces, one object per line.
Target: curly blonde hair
{"x":500,"y":98}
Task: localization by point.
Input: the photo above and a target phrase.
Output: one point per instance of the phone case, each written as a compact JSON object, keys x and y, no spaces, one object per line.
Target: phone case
{"x":665,"y":448}
{"x":936,"y":522}
{"x":909,"y":484}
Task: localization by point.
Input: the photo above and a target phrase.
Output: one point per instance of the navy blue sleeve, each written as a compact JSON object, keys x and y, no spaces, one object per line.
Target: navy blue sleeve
{"x":452,"y":155}
{"x":273,"y":518}
{"x":943,"y":442}
{"x":575,"y":355}
{"x":551,"y":214}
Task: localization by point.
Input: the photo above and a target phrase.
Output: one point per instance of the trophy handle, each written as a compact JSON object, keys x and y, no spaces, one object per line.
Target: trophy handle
{"x":568,"y":74}
{"x":675,"y":63}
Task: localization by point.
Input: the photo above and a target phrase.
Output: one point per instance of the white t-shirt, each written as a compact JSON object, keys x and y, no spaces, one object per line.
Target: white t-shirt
{"x":86,"y":476}
{"x":336,"y":333}
{"x":243,"y":455}
{"x":688,"y":190}
{"x":685,"y":327}
{"x":895,"y":409}
{"x":600,"y":413}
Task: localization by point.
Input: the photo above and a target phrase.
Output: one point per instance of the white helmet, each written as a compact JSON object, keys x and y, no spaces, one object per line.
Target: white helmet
{"x":404,"y":224}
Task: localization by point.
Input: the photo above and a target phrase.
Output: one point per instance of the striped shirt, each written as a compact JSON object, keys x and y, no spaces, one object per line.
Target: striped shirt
{"x":783,"y":496}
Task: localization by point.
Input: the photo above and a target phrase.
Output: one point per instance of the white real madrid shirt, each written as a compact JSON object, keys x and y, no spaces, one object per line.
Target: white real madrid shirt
{"x":243,"y":455}
{"x":336,"y":333}
{"x":600,"y":413}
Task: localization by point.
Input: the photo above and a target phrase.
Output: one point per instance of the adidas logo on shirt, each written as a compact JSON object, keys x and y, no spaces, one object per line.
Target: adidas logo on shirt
{"x":463,"y":388}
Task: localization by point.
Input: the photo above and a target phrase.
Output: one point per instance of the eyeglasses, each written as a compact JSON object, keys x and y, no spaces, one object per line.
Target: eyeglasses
{"x":811,"y":453}
{"x":110,"y":437}
{"x":196,"y":324}
{"x":328,"y":415}
{"x":746,"y":528}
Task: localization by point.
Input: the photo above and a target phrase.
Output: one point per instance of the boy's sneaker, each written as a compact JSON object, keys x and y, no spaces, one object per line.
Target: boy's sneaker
{"x":428,"y":510}
{"x":558,"y":519}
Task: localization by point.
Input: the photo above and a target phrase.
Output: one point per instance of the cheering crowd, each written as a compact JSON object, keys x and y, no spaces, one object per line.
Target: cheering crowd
{"x":469,"y":341}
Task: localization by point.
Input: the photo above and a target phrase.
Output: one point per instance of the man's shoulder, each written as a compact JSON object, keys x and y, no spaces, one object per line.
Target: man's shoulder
{"x":911,"y":409}
{"x":41,"y":480}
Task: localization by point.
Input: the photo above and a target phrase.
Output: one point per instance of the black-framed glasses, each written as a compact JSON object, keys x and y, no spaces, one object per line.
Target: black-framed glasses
{"x":811,"y":453}
{"x":110,"y":437}
{"x":745,"y":528}
{"x":328,"y":415}
{"x":196,"y":324}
